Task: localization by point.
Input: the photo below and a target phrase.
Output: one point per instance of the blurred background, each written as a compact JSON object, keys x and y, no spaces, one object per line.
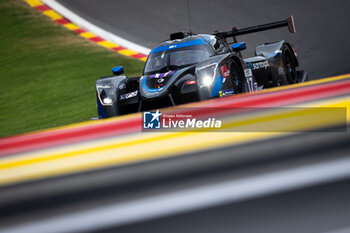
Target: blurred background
{"x":322,"y":39}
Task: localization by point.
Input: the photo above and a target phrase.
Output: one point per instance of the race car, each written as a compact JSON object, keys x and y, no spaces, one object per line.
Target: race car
{"x":194,"y":67}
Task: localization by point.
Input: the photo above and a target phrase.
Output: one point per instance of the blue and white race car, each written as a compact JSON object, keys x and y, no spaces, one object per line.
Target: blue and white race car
{"x":195,"y":67}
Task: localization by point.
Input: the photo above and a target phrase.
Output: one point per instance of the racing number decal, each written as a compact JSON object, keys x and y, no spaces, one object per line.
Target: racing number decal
{"x":249,"y":77}
{"x":250,"y":84}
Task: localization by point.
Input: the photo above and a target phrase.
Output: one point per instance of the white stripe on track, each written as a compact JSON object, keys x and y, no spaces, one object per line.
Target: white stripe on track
{"x":95,"y":29}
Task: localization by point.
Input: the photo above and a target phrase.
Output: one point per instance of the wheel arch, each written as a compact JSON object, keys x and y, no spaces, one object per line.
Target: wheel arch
{"x":291,"y":48}
{"x":241,"y":66}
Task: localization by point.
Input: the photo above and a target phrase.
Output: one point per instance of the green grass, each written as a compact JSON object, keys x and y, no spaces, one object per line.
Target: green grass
{"x":47,"y":72}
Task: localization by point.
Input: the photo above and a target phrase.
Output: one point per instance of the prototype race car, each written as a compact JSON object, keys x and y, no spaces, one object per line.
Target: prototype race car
{"x":195,"y":67}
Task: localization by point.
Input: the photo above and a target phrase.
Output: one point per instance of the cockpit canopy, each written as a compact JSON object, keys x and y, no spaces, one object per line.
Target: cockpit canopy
{"x":179,"y":53}
{"x":164,"y":61}
{"x":176,"y":54}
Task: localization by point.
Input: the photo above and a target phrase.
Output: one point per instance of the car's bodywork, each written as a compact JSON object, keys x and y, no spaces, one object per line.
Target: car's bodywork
{"x":191,"y":67}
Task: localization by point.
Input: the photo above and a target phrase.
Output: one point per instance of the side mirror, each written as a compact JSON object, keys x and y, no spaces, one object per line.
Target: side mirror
{"x":118,"y":70}
{"x":237,"y":47}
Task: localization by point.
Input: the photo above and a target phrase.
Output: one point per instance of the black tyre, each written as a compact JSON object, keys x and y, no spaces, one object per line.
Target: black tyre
{"x":289,"y":65}
{"x":237,"y":79}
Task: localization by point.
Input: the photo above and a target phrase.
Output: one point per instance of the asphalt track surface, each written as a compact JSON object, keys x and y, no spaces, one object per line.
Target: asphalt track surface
{"x":322,"y":40}
{"x":320,"y":207}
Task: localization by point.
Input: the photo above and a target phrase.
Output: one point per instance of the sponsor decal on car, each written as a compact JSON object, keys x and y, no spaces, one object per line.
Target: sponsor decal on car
{"x":226,"y":92}
{"x":162,"y":75}
{"x":260,"y":65}
{"x":128,"y":95}
{"x":122,"y":86}
{"x":225,"y":72}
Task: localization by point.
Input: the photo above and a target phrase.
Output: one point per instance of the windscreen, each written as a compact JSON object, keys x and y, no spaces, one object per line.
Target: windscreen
{"x":157,"y":62}
{"x":174,"y":59}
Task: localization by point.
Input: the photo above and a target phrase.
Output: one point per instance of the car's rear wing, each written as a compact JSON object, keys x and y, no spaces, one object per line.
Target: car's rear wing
{"x":289,"y":22}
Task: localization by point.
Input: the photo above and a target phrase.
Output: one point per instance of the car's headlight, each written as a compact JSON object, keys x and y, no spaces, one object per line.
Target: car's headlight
{"x":206,"y":74}
{"x":106,"y":94}
{"x":107,"y":100}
